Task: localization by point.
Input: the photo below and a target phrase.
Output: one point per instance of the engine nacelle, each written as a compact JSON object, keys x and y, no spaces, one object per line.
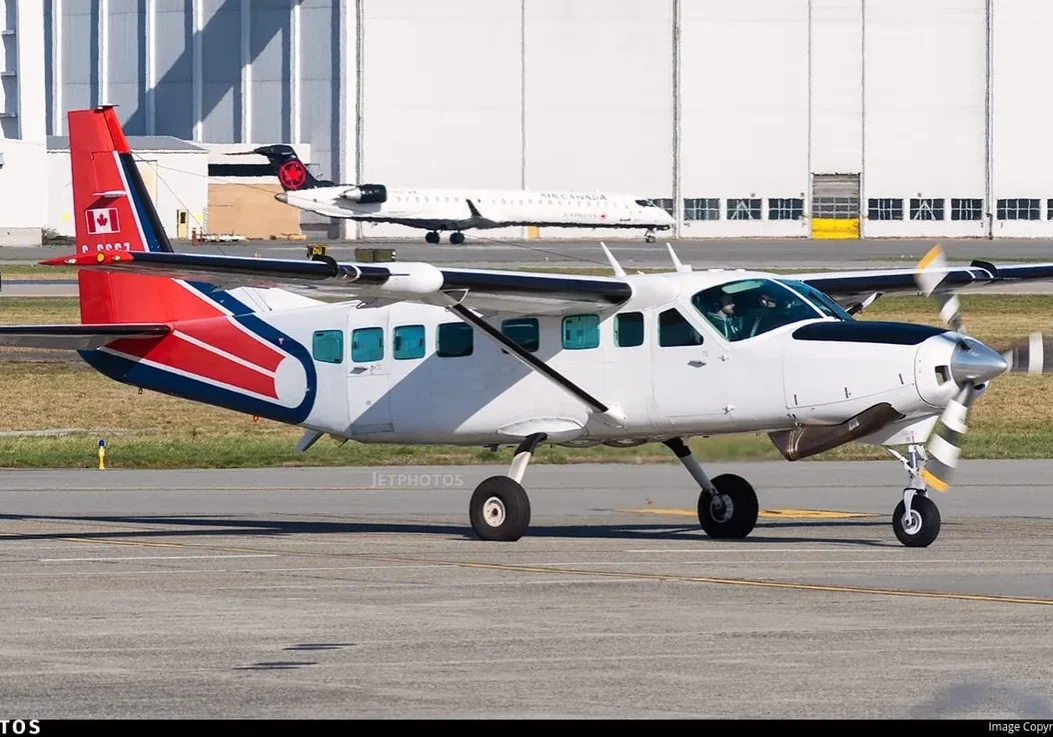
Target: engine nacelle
{"x":366,"y":193}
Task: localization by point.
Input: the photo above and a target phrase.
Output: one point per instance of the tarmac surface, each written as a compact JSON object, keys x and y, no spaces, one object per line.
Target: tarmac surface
{"x":482,"y":252}
{"x":361,"y":592}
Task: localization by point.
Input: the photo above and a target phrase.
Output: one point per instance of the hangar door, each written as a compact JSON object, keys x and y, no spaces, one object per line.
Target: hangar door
{"x":835,"y":205}
{"x":249,"y":209}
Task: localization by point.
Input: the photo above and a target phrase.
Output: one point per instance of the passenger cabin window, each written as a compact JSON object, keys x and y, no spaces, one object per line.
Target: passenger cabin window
{"x":454,"y":339}
{"x":675,"y":330}
{"x":328,"y":346}
{"x":408,"y":342}
{"x":628,"y":329}
{"x":581,"y":331}
{"x":367,"y":344}
{"x":751,"y":307}
{"x":522,"y":331}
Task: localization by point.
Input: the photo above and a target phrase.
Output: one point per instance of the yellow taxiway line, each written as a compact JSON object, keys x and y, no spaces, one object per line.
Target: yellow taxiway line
{"x":625,"y":575}
{"x":773,"y":513}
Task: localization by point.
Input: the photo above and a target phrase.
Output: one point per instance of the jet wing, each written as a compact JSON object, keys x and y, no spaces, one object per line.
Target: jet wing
{"x":77,"y":337}
{"x":479,"y":289}
{"x":849,"y":287}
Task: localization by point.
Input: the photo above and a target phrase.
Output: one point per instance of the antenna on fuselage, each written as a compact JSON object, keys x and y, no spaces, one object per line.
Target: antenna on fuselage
{"x":676,"y":261}
{"x":618,"y":270}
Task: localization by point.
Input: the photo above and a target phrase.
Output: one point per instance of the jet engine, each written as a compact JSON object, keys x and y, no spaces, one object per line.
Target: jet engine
{"x":366,"y":193}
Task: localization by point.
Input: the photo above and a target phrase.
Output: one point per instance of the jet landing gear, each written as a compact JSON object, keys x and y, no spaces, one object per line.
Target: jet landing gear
{"x":455,"y":238}
{"x":500,"y":508}
{"x":649,"y":236}
{"x":727,"y":506}
{"x":916,"y":519}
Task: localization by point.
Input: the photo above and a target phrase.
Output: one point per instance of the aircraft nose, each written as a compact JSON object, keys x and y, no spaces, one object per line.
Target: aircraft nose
{"x":972,"y":361}
{"x":281,"y":197}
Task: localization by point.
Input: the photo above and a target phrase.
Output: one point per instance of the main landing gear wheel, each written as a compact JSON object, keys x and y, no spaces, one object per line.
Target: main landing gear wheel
{"x":432,"y":237}
{"x":456,"y":238}
{"x":499,"y":509}
{"x":732,"y":512}
{"x":921,"y":526}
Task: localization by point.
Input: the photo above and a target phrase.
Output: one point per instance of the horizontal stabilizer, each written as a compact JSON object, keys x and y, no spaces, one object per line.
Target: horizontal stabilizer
{"x":77,"y":337}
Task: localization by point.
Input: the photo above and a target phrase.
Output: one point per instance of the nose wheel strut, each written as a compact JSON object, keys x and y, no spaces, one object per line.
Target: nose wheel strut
{"x":916,"y":519}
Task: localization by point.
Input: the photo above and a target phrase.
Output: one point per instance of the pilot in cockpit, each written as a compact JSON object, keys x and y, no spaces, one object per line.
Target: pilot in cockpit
{"x":725,"y":319}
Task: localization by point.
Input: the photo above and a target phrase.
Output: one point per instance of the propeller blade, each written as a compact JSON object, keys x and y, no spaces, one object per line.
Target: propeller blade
{"x":944,"y":446}
{"x":931,"y":271}
{"x":1033,"y":355}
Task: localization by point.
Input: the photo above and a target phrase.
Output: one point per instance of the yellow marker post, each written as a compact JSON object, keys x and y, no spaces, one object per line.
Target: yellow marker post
{"x":102,"y":455}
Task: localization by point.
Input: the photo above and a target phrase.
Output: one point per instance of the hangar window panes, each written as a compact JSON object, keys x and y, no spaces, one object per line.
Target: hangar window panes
{"x":454,"y":339}
{"x":523,"y":331}
{"x":1018,"y":208}
{"x":885,"y":208}
{"x":966,"y":208}
{"x":744,"y":209}
{"x":328,"y":346}
{"x":665,"y":203}
{"x":367,"y":344}
{"x":835,"y":208}
{"x":785,"y":208}
{"x":581,"y":331}
{"x":702,"y":208}
{"x":408,"y":342}
{"x":926,"y":209}
{"x":628,"y":329}
{"x":675,"y":330}
{"x":1049,"y":209}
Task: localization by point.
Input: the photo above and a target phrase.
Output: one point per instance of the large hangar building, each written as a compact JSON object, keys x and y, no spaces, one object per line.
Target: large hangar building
{"x":754,"y":118}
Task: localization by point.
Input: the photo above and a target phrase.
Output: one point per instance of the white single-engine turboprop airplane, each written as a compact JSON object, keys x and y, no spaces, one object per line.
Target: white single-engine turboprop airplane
{"x":459,"y":209}
{"x":422,"y":354}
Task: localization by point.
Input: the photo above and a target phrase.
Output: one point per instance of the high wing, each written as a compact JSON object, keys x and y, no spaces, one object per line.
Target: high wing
{"x":483,"y":290}
{"x":77,"y":336}
{"x":851,"y":288}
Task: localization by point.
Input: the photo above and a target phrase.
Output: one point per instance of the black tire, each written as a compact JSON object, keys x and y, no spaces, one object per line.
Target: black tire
{"x":499,"y":509}
{"x":925,"y":515}
{"x":738,"y":518}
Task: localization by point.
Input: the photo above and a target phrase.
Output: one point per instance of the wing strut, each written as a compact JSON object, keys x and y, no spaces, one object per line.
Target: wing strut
{"x":533,"y":363}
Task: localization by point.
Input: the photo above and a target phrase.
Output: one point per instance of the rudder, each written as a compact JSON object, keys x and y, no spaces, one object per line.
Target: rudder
{"x":113,"y":211}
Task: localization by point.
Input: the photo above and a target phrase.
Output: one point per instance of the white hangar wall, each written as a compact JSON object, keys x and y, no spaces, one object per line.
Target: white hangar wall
{"x":755,"y":118}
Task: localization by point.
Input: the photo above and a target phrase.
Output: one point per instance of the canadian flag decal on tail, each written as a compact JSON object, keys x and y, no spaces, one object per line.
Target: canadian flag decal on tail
{"x":103,"y":220}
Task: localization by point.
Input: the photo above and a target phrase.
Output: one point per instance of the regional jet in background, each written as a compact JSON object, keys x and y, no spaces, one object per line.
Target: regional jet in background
{"x":457,"y":210}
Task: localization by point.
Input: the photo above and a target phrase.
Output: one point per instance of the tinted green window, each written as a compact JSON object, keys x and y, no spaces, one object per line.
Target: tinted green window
{"x":674,"y":329}
{"x":454,"y":339}
{"x":367,"y":344}
{"x":628,"y":329}
{"x":409,"y":342}
{"x":328,"y":346}
{"x":581,"y":331}
{"x":523,"y":331}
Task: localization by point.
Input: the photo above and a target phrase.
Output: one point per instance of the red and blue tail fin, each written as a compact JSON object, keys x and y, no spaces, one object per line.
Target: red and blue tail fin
{"x":114,"y":212}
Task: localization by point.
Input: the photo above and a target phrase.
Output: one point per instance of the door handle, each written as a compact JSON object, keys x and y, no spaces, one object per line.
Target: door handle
{"x":696,"y":363}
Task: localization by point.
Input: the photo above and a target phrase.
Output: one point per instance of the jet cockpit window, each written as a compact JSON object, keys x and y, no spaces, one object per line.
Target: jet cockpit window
{"x":751,"y":307}
{"x":646,"y":203}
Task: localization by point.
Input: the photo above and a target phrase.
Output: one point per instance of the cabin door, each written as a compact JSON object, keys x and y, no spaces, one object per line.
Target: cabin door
{"x":369,"y":377}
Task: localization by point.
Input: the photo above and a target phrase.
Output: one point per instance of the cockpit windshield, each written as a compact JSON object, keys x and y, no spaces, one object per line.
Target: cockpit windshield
{"x":744,"y":309}
{"x":646,"y":203}
{"x":820,"y":300}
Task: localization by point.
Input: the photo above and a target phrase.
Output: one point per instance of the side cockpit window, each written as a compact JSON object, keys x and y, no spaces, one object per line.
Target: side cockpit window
{"x":744,"y":309}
